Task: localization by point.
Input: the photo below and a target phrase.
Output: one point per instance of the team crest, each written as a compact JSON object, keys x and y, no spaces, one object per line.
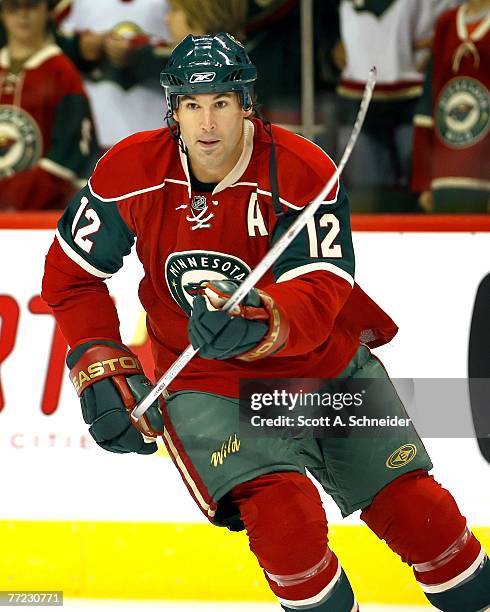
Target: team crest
{"x":463,"y":113}
{"x":20,"y":140}
{"x":185,"y":270}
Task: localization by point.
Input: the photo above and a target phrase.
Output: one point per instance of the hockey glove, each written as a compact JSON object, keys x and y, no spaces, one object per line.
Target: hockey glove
{"x":256,"y":328}
{"x":110,"y":382}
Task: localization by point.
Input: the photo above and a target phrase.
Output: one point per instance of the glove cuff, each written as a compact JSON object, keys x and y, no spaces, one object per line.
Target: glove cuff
{"x":278,"y":332}
{"x":101,"y":361}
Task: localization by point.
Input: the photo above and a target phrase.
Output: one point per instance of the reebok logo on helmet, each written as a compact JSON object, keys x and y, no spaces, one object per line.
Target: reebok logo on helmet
{"x":202,"y":77}
{"x":201,"y":64}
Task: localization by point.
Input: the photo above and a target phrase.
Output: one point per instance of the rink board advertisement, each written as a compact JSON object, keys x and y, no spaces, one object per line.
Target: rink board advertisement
{"x":67,"y":506}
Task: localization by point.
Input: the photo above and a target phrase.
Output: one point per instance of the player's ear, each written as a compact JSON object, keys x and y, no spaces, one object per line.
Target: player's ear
{"x":247,"y":112}
{"x":175,"y":116}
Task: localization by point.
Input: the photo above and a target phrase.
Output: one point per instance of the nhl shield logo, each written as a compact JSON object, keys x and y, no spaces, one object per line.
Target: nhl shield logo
{"x":184,"y":270}
{"x":199,"y":202}
{"x":463,"y":113}
{"x":20,"y":140}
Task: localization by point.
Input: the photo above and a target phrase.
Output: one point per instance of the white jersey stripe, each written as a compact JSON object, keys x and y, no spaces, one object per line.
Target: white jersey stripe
{"x":126,"y":195}
{"x":74,"y":256}
{"x":206,"y":507}
{"x":135,"y":193}
{"x":321,"y":265}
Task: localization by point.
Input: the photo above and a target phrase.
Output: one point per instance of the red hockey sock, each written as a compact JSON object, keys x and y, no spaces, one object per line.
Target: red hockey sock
{"x":287,"y":530}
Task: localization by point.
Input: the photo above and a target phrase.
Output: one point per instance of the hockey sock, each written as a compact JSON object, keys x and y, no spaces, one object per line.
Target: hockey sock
{"x":287,"y":530}
{"x":338,"y":598}
{"x":421,"y":522}
{"x":469,"y":591}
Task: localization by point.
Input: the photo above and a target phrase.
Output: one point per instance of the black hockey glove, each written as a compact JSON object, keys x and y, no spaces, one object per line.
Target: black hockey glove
{"x":110,"y":382}
{"x":257,"y":327}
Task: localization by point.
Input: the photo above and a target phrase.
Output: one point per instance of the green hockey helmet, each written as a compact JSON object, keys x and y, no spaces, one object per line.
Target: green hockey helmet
{"x":208,"y":64}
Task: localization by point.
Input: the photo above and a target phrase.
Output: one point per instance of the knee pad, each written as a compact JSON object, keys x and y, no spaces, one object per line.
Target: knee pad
{"x":284,"y":519}
{"x":287,"y":529}
{"x":421,"y":522}
{"x":416,"y":516}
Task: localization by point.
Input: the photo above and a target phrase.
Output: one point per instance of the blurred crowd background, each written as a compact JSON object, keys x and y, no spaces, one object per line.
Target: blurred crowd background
{"x":76,"y":76}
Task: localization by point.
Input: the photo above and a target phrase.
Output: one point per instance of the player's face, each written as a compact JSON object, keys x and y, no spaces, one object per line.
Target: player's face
{"x":25,"y":20}
{"x":211,"y":126}
{"x":178,"y":24}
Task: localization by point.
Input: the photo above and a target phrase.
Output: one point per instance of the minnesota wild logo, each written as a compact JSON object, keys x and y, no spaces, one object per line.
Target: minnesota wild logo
{"x":20,"y":140}
{"x":185,"y":270}
{"x":463,"y":112}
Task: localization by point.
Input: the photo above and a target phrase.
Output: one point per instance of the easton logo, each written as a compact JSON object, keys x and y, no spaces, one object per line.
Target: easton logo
{"x":98,"y":368}
{"x":202,"y":77}
{"x":183,"y":270}
{"x":401,"y":456}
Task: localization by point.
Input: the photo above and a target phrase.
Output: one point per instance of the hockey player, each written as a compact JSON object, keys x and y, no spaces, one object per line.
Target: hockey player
{"x":46,"y":131}
{"x":206,"y":197}
{"x":451,"y":152}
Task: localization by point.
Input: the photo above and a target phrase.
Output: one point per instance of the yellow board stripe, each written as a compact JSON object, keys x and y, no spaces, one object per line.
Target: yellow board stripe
{"x":179,"y":561}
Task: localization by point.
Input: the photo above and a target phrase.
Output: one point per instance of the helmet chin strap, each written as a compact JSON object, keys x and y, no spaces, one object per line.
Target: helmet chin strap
{"x":272,"y":165}
{"x":175,"y":131}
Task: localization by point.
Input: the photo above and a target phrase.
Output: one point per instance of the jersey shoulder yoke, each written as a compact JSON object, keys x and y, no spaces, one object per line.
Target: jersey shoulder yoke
{"x":296,"y":151}
{"x":134,"y":166}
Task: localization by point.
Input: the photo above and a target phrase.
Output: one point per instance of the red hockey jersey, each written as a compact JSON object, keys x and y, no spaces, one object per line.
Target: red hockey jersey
{"x":46,"y":132}
{"x":142,"y":189}
{"x":452,"y":126}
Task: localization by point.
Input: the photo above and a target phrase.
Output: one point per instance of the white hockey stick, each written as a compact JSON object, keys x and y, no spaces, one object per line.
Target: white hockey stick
{"x":268,"y":260}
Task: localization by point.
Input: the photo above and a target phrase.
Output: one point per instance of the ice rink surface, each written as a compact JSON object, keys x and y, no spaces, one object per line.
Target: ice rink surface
{"x":191,"y":606}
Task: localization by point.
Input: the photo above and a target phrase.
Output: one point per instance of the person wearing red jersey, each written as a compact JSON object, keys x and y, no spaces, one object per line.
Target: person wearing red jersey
{"x":206,"y":198}
{"x":451,"y":148}
{"x":46,"y":132}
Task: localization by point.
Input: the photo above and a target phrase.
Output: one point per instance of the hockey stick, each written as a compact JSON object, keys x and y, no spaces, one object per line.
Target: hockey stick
{"x":268,"y":260}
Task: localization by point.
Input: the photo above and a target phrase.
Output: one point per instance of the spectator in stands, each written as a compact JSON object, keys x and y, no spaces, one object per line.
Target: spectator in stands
{"x":451,"y":153}
{"x":200,"y":17}
{"x":182,"y":18}
{"x":393,"y":36}
{"x":46,"y":130}
{"x":102,"y":43}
